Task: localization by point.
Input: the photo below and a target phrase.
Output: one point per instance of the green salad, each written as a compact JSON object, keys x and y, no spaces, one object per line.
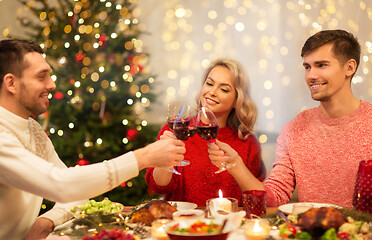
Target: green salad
{"x":103,"y":207}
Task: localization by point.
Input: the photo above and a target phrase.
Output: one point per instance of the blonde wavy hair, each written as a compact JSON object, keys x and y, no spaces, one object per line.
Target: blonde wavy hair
{"x":244,"y":115}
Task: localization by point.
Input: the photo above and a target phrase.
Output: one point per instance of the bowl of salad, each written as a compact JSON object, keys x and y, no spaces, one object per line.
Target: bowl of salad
{"x":105,"y":210}
{"x":202,"y":229}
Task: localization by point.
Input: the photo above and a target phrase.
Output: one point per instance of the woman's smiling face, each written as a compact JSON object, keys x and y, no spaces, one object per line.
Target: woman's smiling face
{"x":218,"y":93}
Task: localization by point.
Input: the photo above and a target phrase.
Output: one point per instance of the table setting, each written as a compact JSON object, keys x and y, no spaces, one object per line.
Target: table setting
{"x":222,"y":218}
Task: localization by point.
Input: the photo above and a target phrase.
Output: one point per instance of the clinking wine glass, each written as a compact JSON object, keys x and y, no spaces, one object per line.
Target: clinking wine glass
{"x":207,"y":128}
{"x":184,"y":125}
{"x":173,"y":112}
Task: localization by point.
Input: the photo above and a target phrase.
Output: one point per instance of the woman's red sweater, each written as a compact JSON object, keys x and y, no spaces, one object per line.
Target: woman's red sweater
{"x":198,"y":181}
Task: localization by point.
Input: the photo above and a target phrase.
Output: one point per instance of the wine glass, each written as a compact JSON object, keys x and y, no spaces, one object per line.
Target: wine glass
{"x":184,"y":125}
{"x":207,"y":128}
{"x":173,"y":112}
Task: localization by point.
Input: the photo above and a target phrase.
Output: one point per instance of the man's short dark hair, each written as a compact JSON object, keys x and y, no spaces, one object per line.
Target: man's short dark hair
{"x":345,"y":45}
{"x":12,"y":53}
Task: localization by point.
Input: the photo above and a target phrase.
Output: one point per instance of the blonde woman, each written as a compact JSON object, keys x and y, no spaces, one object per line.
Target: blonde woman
{"x":225,"y":90}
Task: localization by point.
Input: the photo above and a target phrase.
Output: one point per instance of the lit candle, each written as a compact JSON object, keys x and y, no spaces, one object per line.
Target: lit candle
{"x":256,"y":229}
{"x":158,"y":230}
{"x":222,"y":202}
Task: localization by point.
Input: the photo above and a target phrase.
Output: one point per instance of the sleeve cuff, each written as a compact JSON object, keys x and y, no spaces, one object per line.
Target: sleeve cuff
{"x":57,"y":215}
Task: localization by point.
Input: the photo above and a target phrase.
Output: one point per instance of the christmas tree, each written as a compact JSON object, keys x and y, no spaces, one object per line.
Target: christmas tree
{"x":98,"y":110}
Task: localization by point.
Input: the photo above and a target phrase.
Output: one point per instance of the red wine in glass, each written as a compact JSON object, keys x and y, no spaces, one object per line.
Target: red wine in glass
{"x":208,"y":132}
{"x":192,"y":131}
{"x":170,"y":123}
{"x":181,"y":129}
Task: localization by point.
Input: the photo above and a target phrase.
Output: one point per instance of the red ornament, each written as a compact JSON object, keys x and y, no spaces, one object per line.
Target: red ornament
{"x":79,"y":57}
{"x":132,"y":134}
{"x":130,"y":58}
{"x":82,"y":162}
{"x":134,"y":69}
{"x":102,"y":40}
{"x":124,"y":184}
{"x":59,"y":95}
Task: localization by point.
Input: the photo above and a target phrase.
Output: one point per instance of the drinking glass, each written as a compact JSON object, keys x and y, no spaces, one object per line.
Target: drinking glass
{"x":254,"y":203}
{"x":362,"y":199}
{"x":174,"y":109}
{"x":207,"y":128}
{"x":184,"y":125}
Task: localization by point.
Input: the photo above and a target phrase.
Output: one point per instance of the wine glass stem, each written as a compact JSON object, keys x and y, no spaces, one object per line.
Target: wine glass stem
{"x":172,"y":170}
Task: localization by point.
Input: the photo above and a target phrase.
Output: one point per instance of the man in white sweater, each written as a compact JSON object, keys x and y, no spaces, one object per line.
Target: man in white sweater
{"x":30,"y":168}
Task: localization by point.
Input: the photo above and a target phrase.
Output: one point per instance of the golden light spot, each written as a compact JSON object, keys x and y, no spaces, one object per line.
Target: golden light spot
{"x":94,"y":77}
{"x":212,"y":14}
{"x":269,"y":114}
{"x":172,"y":74}
{"x":145,"y":88}
{"x":133,"y":89}
{"x":171,"y":91}
{"x":85,"y":70}
{"x":268,"y":84}
{"x":42,"y":16}
{"x":67,"y":29}
{"x":128,"y":45}
{"x":96,"y":106}
{"x":6,"y":32}
{"x":262,"y":138}
{"x":46,"y":31}
{"x":105,"y":84}
{"x":266,"y":101}
{"x":86,"y":61}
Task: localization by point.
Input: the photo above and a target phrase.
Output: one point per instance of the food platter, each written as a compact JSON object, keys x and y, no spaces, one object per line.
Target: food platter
{"x":288,"y":208}
{"x":183,"y":205}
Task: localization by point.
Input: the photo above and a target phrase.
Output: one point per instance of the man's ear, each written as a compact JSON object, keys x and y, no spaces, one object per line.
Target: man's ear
{"x":9,"y":83}
{"x":350,"y":66}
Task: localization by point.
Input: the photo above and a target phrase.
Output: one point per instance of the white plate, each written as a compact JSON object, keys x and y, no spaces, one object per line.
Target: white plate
{"x":183,"y":205}
{"x":287,"y":208}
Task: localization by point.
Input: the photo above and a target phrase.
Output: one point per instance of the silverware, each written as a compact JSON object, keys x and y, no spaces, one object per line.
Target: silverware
{"x":282,"y":215}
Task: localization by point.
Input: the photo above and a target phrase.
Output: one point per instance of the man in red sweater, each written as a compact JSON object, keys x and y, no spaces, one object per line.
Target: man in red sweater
{"x":319,"y":151}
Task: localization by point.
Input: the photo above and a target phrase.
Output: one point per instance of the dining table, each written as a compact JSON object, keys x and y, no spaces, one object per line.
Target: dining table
{"x":66,"y":230}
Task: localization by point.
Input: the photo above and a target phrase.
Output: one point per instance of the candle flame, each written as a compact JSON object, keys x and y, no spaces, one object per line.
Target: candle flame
{"x":257,"y":227}
{"x":220,"y":193}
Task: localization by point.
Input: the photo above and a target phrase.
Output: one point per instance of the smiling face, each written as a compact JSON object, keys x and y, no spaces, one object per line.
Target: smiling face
{"x":218,"y":93}
{"x":326,"y":77}
{"x":33,"y":87}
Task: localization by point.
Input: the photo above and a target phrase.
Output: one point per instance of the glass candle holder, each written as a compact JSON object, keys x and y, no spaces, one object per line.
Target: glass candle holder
{"x":362,"y":199}
{"x":256,"y":229}
{"x":221,"y":206}
{"x":158,"y":229}
{"x":254,"y":203}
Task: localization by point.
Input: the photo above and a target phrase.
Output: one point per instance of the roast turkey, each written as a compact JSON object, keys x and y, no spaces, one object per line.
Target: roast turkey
{"x":318,"y":220}
{"x":156,"y":209}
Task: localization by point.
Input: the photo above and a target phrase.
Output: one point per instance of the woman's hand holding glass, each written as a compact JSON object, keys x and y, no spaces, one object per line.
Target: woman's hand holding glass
{"x":207,"y":128}
{"x":222,"y":155}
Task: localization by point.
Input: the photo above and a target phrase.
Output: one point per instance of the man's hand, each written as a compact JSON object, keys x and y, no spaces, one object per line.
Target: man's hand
{"x":41,"y":229}
{"x":168,"y":135}
{"x":165,"y":152}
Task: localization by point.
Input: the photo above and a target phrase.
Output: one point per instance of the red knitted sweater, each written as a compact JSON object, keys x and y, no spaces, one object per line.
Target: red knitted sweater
{"x":320,"y":156}
{"x":198,"y":181}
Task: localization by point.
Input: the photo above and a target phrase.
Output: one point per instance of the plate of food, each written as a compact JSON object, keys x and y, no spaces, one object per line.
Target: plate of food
{"x":202,"y":229}
{"x":300,"y":207}
{"x":328,"y":223}
{"x":183,"y":205}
